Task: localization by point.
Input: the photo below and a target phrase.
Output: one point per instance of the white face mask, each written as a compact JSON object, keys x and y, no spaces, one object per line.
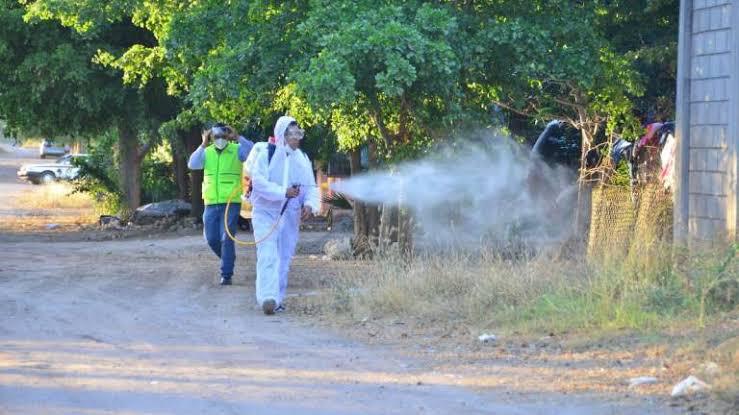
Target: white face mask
{"x":220,"y":143}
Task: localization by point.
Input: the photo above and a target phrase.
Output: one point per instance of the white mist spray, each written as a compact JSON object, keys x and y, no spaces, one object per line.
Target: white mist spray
{"x":487,"y":191}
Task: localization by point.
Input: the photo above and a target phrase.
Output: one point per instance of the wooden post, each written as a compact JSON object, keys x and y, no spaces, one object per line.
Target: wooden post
{"x":682,"y":126}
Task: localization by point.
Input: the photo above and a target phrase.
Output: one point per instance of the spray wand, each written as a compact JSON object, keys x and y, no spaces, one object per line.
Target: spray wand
{"x":274,"y":226}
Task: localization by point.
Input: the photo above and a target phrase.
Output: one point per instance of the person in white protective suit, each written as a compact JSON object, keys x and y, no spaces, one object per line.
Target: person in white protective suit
{"x":281,"y":178}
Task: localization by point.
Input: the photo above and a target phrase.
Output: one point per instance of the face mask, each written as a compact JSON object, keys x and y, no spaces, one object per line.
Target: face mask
{"x":220,"y":143}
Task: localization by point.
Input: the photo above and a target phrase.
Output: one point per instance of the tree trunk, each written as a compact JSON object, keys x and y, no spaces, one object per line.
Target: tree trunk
{"x":404,"y":223}
{"x":584,"y":192}
{"x":405,"y":233}
{"x":179,"y":161}
{"x":373,"y":211}
{"x":130,"y":157}
{"x":388,"y":226}
{"x":193,"y":139}
{"x":405,"y":227}
{"x":376,"y":116}
{"x":360,"y":241}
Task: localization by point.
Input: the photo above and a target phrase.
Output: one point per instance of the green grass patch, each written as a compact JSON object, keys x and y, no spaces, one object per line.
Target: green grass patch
{"x":545,"y":293}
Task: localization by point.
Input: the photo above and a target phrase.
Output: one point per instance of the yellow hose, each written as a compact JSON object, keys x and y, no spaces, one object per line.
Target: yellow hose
{"x":228,"y":231}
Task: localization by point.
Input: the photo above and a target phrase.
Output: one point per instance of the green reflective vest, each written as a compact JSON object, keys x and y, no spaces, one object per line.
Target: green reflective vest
{"x":222,"y":174}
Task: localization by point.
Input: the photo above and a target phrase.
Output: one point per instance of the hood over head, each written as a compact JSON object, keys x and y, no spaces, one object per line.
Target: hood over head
{"x":280,"y":128}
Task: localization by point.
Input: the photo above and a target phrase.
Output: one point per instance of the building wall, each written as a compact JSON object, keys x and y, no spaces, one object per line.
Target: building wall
{"x":707,"y":120}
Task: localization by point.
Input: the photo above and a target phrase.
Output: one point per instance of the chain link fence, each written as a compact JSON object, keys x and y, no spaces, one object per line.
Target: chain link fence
{"x":626,"y":223}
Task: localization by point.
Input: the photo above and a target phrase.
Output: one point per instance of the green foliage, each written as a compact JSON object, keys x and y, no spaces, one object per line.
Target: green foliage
{"x":404,"y":72}
{"x":621,"y":176}
{"x":157,"y":179}
{"x":384,"y":71}
{"x":60,"y":59}
{"x":414,"y":68}
{"x":646,"y":32}
{"x":399,"y":75}
{"x":49,"y":82}
{"x":98,"y":176}
{"x":320,"y":143}
{"x":643,"y":293}
{"x":545,"y":294}
{"x":553,"y":61}
{"x":715,"y":279}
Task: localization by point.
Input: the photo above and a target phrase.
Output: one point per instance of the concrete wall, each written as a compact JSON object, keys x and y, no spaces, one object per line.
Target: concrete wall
{"x":707,"y":121}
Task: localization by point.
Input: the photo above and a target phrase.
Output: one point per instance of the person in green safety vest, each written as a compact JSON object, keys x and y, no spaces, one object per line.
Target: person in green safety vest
{"x":221,"y":162}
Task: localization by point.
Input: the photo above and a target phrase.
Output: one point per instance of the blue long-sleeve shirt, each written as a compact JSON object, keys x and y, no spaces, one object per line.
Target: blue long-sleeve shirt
{"x":197,"y":158}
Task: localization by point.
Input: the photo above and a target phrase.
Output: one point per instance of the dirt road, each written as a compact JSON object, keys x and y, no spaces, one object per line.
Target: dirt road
{"x":140,"y":326}
{"x":11,"y":187}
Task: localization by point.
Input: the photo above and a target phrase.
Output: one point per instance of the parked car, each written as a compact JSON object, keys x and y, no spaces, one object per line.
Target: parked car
{"x":47,"y":148}
{"x":44,"y":173}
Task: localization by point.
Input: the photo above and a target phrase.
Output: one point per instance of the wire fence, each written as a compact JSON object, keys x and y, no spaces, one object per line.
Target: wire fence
{"x":626,"y":223}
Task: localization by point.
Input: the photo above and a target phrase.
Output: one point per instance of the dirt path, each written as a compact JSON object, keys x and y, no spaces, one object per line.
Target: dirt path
{"x":140,"y":326}
{"x":11,"y":158}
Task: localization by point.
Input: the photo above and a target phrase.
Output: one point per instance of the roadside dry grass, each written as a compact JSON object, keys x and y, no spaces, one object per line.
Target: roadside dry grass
{"x":543,"y":292}
{"x":40,"y":222}
{"x":50,"y":207}
{"x":725,"y":377}
{"x":53,"y":196}
{"x":576,"y":324}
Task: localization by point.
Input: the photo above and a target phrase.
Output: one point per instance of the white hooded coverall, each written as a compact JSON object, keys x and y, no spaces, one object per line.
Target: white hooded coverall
{"x":270,"y":181}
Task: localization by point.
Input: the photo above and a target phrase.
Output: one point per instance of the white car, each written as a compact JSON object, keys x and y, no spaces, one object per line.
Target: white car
{"x":47,"y":148}
{"x":44,"y":173}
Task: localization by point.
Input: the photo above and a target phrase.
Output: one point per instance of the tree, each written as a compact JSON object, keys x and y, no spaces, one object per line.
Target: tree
{"x":54,"y":86}
{"x":200,"y":49}
{"x":387,"y":75}
{"x":551,"y":60}
{"x":646,"y":32}
{"x":49,"y":82}
{"x":394,"y":76}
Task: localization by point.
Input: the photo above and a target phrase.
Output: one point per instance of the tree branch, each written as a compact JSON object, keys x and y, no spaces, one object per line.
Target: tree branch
{"x":568,"y":104}
{"x":509,"y":108}
{"x":403,"y":131}
{"x":377,"y":118}
{"x":141,"y":152}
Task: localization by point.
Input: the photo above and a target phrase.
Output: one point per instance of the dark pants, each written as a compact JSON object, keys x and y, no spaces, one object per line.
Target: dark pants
{"x":215,"y":234}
